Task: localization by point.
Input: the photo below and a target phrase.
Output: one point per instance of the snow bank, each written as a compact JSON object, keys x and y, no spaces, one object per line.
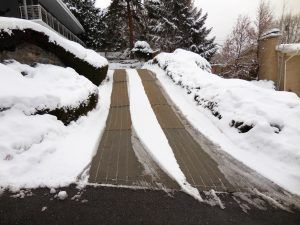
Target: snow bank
{"x":267,"y":84}
{"x":42,"y":87}
{"x":90,"y":56}
{"x":258,"y":126}
{"x":38,"y":150}
{"x":151,"y":134}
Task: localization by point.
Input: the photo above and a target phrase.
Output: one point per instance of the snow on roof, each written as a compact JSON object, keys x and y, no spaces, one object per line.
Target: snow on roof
{"x":275,"y":32}
{"x":289,"y":48}
{"x":88,"y":55}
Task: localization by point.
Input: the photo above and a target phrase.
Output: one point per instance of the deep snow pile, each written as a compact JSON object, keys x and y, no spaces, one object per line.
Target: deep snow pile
{"x":90,"y":56}
{"x":39,"y":150}
{"x":258,"y":126}
{"x":151,"y":134}
{"x":42,"y":87}
{"x":268,"y":84}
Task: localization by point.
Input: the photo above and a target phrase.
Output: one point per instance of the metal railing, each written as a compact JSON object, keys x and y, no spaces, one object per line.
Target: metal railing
{"x":37,"y":12}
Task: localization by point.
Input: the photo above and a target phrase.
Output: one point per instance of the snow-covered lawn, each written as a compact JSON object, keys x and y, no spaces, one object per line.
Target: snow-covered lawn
{"x":258,"y":126}
{"x":151,"y":135}
{"x":39,"y":150}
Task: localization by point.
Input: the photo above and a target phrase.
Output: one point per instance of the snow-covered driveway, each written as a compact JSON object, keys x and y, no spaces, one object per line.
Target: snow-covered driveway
{"x":120,"y":159}
{"x":145,"y":141}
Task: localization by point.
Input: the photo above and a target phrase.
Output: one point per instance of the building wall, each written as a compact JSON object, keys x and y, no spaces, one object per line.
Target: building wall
{"x":293,"y":75}
{"x":281,"y":70}
{"x":28,"y":54}
{"x":267,"y":58}
{"x":9,"y":8}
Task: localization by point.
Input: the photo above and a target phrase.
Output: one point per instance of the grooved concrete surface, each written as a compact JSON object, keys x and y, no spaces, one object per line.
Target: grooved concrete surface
{"x":199,"y":168}
{"x":116,"y":162}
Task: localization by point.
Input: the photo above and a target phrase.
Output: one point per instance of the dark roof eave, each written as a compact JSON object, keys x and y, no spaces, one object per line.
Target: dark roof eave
{"x":56,"y":7}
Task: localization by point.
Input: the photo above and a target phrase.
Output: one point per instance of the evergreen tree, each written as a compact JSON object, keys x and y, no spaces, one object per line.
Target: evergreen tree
{"x":123,"y":20}
{"x":92,"y":20}
{"x":179,"y":24}
{"x":199,"y":41}
{"x":162,"y":30}
{"x":166,"y":24}
{"x":115,"y":34}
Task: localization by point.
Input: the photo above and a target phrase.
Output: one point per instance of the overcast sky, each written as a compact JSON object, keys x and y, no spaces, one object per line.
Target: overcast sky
{"x":222,"y":14}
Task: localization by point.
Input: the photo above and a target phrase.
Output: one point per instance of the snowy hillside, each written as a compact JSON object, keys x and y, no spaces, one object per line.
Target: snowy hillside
{"x":258,"y":126}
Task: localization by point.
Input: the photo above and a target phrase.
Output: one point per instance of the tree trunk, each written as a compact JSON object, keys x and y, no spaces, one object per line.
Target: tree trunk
{"x":130,"y":27}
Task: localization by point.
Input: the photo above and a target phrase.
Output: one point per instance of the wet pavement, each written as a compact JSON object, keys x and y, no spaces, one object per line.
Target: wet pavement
{"x":121,"y":206}
{"x":116,"y":161}
{"x":199,"y":168}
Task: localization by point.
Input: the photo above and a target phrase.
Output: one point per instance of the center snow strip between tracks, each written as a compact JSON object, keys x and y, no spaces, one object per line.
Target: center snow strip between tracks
{"x":151,"y":135}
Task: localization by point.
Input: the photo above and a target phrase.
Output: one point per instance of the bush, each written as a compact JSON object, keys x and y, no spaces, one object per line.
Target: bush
{"x":10,"y":41}
{"x":142,"y":50}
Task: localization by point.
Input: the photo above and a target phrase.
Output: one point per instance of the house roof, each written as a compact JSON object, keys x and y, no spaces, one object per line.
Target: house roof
{"x":275,"y":32}
{"x":290,"y":49}
{"x":63,"y":14}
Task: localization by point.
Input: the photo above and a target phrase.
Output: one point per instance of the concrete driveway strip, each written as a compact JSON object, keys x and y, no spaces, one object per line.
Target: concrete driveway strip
{"x":116,"y":162}
{"x":199,"y":168}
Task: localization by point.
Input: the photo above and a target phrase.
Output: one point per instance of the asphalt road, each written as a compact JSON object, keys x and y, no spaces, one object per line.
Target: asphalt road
{"x":112,"y":206}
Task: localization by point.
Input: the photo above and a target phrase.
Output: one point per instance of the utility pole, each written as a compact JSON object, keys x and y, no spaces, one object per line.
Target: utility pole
{"x":130,"y":26}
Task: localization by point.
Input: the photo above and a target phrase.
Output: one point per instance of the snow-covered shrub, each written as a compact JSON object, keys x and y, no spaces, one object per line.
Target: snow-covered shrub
{"x":191,"y":60}
{"x":46,"y":89}
{"x":14,"y":32}
{"x":142,"y":50}
{"x":263,"y":124}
